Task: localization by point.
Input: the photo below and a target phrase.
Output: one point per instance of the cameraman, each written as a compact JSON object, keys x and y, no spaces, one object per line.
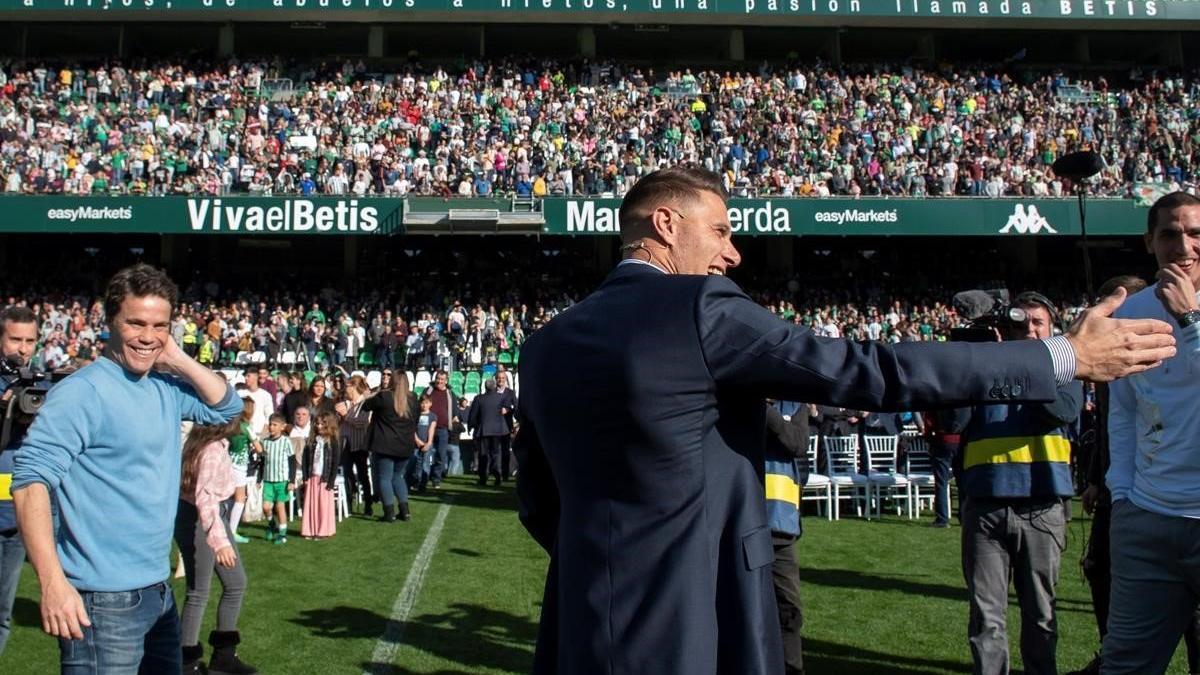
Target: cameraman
{"x":1015,"y":475}
{"x":18,"y":341}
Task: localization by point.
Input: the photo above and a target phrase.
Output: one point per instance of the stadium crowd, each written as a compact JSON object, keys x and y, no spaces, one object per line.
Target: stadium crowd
{"x":324,"y":329}
{"x":529,"y":127}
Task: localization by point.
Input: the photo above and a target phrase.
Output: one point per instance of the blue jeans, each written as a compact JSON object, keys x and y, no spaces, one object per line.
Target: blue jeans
{"x":942,"y":457}
{"x":416,"y":471}
{"x":389,"y":479}
{"x":12,"y":558}
{"x":132,"y":632}
{"x":454,"y":465}
{"x":441,"y":439}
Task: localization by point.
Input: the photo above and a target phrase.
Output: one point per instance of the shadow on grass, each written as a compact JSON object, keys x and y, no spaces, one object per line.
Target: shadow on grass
{"x":829,"y":657}
{"x":342,"y":622}
{"x":26,"y":612}
{"x":466,"y":493}
{"x":873,"y":582}
{"x":469,"y":636}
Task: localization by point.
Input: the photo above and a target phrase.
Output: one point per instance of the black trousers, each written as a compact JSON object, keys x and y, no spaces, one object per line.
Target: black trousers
{"x":487,"y":455}
{"x":507,"y":461}
{"x":354,"y":470}
{"x":785,"y":572}
{"x":1097,"y":567}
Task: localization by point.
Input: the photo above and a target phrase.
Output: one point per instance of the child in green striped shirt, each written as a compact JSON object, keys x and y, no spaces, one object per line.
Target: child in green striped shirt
{"x":279,"y":466}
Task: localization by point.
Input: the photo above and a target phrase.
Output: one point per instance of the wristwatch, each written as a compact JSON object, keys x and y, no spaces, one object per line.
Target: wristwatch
{"x":1188,"y":318}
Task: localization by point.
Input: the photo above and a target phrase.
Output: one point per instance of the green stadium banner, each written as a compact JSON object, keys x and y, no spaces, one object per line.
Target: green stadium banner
{"x":203,"y":215}
{"x":840,"y":217}
{"x":273,"y":216}
{"x":936,"y":9}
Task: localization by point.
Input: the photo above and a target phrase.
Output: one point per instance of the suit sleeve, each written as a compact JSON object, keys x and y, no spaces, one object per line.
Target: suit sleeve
{"x":537,"y":492}
{"x":747,"y":347}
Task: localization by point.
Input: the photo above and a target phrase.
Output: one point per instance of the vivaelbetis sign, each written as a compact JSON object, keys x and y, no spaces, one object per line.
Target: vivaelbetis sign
{"x":963,"y":9}
{"x":202,"y":215}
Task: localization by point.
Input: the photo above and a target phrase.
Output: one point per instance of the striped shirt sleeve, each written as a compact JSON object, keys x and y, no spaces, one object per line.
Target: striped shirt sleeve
{"x":1062,"y":354}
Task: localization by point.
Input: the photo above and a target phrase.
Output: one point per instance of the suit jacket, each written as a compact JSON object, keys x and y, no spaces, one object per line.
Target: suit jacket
{"x":508,"y":399}
{"x":641,"y":453}
{"x":485,"y":418}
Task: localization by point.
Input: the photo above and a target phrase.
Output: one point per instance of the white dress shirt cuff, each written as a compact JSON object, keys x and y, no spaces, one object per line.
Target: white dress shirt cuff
{"x":1062,"y":354}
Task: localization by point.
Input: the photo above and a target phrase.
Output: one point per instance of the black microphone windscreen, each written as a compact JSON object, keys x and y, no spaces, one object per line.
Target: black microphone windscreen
{"x":972,"y":304}
{"x":1077,"y":166}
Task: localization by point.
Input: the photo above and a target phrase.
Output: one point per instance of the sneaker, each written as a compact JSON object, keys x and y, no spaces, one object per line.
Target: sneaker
{"x":270,"y":533}
{"x":281,"y":539}
{"x":239,"y":539}
{"x":940,"y":524}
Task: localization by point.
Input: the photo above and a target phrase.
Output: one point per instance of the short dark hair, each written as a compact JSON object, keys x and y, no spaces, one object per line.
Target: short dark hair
{"x":138,"y":281}
{"x":278,"y":417}
{"x":673,"y":184}
{"x":252,"y":370}
{"x":1168,"y":203}
{"x":16,"y":314}
{"x":1129,"y":282}
{"x":1035,"y":299}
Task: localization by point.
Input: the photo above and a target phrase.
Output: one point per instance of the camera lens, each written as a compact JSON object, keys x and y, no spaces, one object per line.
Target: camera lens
{"x":1017,"y":315}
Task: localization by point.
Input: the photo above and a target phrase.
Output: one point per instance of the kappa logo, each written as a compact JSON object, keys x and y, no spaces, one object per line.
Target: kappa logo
{"x":1027,"y":221}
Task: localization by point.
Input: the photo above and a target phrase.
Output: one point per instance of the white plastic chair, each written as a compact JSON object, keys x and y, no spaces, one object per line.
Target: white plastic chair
{"x":341,"y":507}
{"x":918,"y":468}
{"x":882,"y":474}
{"x":374,"y":378}
{"x":819,"y":485}
{"x":841,"y":466}
{"x":287,"y":358}
{"x":424,"y":378}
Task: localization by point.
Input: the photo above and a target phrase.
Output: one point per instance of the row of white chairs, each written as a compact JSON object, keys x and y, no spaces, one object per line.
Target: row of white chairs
{"x":419,"y":380}
{"x":845,"y":478}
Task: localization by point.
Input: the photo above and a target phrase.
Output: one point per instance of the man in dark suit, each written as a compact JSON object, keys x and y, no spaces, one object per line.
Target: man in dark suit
{"x":489,"y":427}
{"x":643,"y":424}
{"x":508,"y":401}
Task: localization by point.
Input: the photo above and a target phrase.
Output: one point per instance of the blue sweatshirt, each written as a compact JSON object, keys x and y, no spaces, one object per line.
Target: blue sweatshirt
{"x":107,"y":444}
{"x":1154,"y":423}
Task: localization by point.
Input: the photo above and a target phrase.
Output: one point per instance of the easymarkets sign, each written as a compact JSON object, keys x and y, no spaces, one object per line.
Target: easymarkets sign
{"x":874,"y":217}
{"x":964,"y":9}
{"x":201,"y":215}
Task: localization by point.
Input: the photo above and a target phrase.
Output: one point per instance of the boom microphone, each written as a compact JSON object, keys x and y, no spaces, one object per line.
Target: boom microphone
{"x":973,"y":304}
{"x":1077,"y":166}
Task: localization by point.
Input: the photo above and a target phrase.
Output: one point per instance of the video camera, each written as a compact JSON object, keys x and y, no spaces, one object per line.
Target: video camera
{"x":29,"y":387}
{"x":989,"y":312}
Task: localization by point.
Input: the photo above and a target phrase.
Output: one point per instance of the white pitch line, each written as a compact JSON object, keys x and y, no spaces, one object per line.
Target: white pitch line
{"x":385,"y":649}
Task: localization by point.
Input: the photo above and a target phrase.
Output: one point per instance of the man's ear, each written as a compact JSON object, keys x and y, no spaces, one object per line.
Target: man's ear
{"x":665,"y":225}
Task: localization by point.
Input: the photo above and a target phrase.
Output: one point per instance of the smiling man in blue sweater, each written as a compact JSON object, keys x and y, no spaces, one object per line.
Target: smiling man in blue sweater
{"x":106,"y":448}
{"x":1154,"y":468}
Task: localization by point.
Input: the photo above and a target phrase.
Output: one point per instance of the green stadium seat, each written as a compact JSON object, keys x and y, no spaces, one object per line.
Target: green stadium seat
{"x":505,"y":358}
{"x":309,"y":376}
{"x":473,"y":383}
{"x":366,"y":359}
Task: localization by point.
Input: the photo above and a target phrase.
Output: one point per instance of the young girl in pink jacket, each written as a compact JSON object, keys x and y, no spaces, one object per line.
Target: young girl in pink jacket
{"x":206,"y":544}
